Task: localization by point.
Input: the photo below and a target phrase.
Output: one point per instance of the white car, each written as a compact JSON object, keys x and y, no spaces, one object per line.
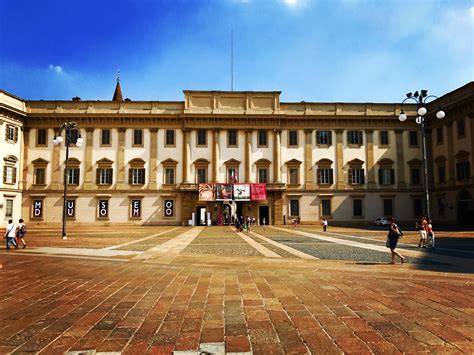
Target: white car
{"x":382,"y":221}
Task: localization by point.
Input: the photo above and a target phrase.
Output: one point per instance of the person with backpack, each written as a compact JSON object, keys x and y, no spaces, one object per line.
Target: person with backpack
{"x":20,"y":234}
{"x":10,"y":234}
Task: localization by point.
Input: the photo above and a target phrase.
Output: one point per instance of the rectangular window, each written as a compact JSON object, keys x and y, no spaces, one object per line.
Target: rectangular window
{"x":441,"y":174}
{"x":413,"y":138}
{"x":354,"y":138}
{"x":293,"y":138}
{"x":263,"y":175}
{"x":461,"y":128}
{"x":169,"y":176}
{"x":439,"y":135}
{"x":415,"y":176}
{"x":386,"y":176}
{"x":463,"y":171}
{"x":387,"y":207}
{"x":8,"y":208}
{"x":9,"y":174}
{"x":104,"y":176}
{"x":262,"y":138}
{"x":201,"y":137}
{"x":40,"y":176}
{"x":137,"y":176}
{"x":294,"y":176}
{"x":169,"y":139}
{"x":356,"y":176}
{"x":417,"y":207}
{"x":41,"y":137}
{"x":11,"y":133}
{"x":357,"y":207}
{"x":294,"y":208}
{"x":326,"y":207}
{"x":201,"y":175}
{"x":325,"y":176}
{"x":232,"y":175}
{"x":73,"y":176}
{"x":232,"y":138}
{"x":383,"y":137}
{"x":138,"y":137}
{"x":324,"y":138}
{"x":105,"y":137}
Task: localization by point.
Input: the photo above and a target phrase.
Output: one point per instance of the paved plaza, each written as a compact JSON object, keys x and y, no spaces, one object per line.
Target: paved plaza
{"x":211,"y":290}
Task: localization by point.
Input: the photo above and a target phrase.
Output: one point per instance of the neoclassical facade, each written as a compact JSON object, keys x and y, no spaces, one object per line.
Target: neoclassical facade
{"x":142,"y":162}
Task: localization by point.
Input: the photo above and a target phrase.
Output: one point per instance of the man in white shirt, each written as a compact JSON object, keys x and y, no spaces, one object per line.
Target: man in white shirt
{"x":10,"y":233}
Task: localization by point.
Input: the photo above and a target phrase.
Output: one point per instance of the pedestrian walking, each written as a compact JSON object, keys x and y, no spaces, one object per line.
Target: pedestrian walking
{"x":10,"y":233}
{"x":394,"y":233}
{"x":324,"y":223}
{"x":421,"y":227}
{"x":20,"y":233}
{"x":429,"y":232}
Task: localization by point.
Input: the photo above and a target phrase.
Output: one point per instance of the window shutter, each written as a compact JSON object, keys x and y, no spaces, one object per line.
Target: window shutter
{"x":360,"y":138}
{"x":392,"y":176}
{"x":130,"y":176}
{"x":318,"y":175}
{"x":362,"y":177}
{"x":350,"y":176}
{"x":109,"y":180}
{"x":329,"y":137}
{"x":331,"y":179}
{"x":14,"y":175}
{"x":16,"y":134}
{"x":318,"y":141}
{"x":380,"y":177}
{"x":97,"y":176}
{"x":4,"y":174}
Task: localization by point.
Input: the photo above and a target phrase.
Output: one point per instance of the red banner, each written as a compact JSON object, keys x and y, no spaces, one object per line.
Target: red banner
{"x":258,"y":192}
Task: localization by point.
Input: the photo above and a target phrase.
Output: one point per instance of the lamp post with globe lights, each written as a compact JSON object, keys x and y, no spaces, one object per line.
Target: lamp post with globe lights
{"x":421,"y":99}
{"x":68,"y":128}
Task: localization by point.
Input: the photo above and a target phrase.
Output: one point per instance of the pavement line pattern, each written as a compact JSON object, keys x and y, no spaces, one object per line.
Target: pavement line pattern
{"x":418,"y":254}
{"x":286,"y":248}
{"x":171,"y":249}
{"x":140,"y":240}
{"x":257,"y":246}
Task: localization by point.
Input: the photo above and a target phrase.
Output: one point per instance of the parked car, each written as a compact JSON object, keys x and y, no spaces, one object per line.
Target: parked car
{"x":382,"y":221}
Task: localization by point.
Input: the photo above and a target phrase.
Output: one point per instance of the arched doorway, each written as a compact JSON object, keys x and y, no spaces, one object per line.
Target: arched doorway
{"x":464,"y":208}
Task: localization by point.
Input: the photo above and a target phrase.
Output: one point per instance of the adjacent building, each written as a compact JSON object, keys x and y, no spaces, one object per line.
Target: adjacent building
{"x":142,"y":162}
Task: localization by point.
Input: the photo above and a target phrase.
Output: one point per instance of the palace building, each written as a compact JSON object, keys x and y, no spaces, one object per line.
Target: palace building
{"x":218,"y":154}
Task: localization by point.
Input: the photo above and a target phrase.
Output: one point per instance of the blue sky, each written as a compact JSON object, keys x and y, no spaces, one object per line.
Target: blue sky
{"x":311,"y":50}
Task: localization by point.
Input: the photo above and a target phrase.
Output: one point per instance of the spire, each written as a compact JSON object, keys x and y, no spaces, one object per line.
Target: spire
{"x":118,"y":90}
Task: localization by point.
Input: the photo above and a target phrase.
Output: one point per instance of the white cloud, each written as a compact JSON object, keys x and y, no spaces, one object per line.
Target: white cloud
{"x":56,"y":68}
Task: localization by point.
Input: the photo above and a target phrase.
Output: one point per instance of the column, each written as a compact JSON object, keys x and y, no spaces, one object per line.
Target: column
{"x":308,"y":159}
{"x":277,"y":155}
{"x":400,"y":159}
{"x":248,"y":155}
{"x":451,"y":160}
{"x":186,"y":155}
{"x":24,"y":146}
{"x":215,"y":155}
{"x":88,"y":159}
{"x":121,"y":159}
{"x":153,"y":158}
{"x":341,"y":183}
{"x":369,"y":133}
{"x":55,"y":176}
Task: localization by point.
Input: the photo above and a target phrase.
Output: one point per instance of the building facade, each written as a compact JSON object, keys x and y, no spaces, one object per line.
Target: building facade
{"x":142,"y":161}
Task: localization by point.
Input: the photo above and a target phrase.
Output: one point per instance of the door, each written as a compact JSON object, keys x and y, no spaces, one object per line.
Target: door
{"x":263,"y":217}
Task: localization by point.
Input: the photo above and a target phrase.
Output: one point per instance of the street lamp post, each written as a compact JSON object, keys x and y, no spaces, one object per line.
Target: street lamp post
{"x":68,"y":127}
{"x":420,"y":99}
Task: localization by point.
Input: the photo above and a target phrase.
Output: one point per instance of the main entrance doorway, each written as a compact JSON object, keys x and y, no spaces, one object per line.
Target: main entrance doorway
{"x":263,"y":217}
{"x":201,"y":216}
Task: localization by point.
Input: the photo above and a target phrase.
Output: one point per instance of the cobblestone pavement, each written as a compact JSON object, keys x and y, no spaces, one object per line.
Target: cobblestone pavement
{"x":211,"y":293}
